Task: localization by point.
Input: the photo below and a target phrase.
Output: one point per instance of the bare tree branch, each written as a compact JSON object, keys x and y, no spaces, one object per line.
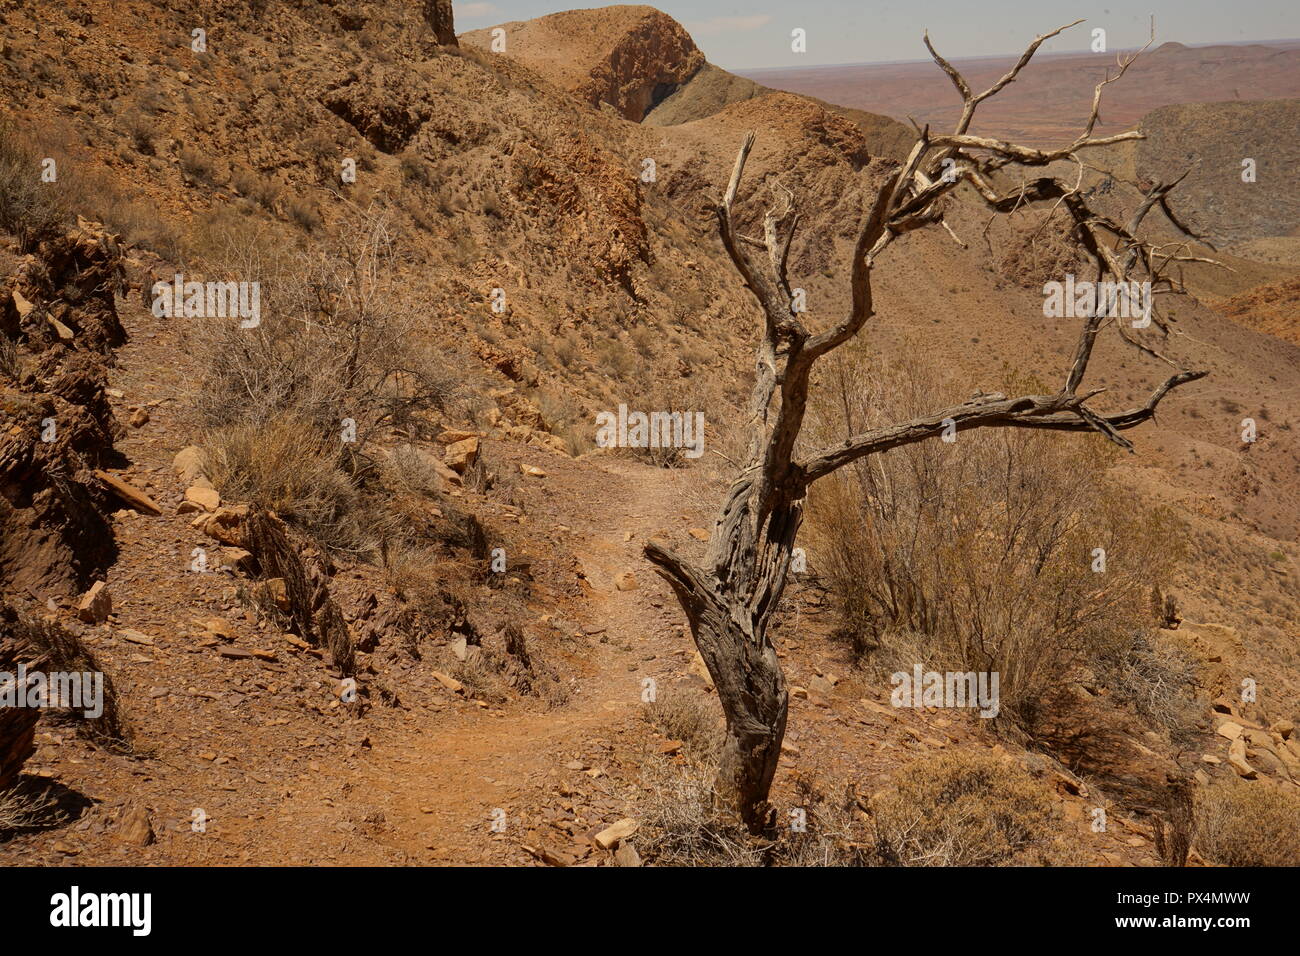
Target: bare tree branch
{"x":1060,"y":412}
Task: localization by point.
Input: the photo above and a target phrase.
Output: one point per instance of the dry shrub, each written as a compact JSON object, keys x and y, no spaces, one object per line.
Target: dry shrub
{"x":409,"y":470}
{"x":977,"y":555}
{"x":478,"y":673}
{"x":24,"y":807}
{"x":285,"y":466}
{"x":304,"y":214}
{"x":681,"y":824}
{"x":197,"y":164}
{"x":1153,"y":675}
{"x":337,"y":357}
{"x":691,"y":717}
{"x":34,"y":210}
{"x":568,"y":350}
{"x":835,"y":831}
{"x":962,"y":809}
{"x":340,"y":336}
{"x":564,"y":417}
{"x":1248,"y":823}
{"x":672,"y":397}
{"x":410,"y":570}
{"x":499,"y":663}
{"x":30,"y":209}
{"x":259,"y":189}
{"x":142,"y":130}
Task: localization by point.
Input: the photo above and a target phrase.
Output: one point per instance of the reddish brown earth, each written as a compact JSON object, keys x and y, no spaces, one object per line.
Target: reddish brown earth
{"x":500,"y":171}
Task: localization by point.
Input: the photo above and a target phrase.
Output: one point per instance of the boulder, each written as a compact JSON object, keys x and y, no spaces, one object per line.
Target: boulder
{"x":96,"y":604}
{"x":820,"y":685}
{"x":1229,"y":729}
{"x":226,"y":524}
{"x":611,"y":836}
{"x":461,"y":455}
{"x":1237,"y":760}
{"x":190,"y":464}
{"x":133,"y":827}
{"x":206,"y":498}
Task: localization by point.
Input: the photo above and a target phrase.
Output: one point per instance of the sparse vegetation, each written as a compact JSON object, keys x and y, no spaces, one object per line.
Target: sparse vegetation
{"x":287,"y":466}
{"x":25,"y":808}
{"x":304,"y":214}
{"x":691,"y":717}
{"x":962,"y":809}
{"x":1248,"y":823}
{"x":29,"y":208}
{"x":197,"y":164}
{"x":334,"y":358}
{"x":141,"y":130}
{"x":982,"y":555}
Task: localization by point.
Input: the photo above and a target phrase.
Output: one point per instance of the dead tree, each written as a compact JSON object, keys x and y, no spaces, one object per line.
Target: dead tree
{"x":731,"y":596}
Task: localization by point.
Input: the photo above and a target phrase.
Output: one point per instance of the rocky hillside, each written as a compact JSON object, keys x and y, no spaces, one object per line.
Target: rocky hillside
{"x":645,"y":67}
{"x":630,"y":57}
{"x":466,"y":255}
{"x":1232,"y":199}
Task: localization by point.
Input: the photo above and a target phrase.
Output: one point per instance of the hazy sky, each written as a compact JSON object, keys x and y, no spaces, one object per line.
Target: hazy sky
{"x":740,"y":36}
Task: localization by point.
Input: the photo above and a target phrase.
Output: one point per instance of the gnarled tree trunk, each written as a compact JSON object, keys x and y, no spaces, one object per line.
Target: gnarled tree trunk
{"x":729,"y":610}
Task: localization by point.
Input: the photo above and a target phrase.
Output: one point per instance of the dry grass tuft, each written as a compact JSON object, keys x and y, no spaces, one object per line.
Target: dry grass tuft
{"x":1247,"y":823}
{"x":286,"y":467}
{"x":690,"y":716}
{"x":962,"y":809}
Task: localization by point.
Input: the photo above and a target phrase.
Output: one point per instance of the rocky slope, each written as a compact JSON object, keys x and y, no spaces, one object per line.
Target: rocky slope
{"x":1230,"y":201}
{"x":556,"y":280}
{"x":630,"y":57}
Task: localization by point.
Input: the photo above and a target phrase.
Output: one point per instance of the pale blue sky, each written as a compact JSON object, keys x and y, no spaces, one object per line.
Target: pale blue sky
{"x":756,"y":34}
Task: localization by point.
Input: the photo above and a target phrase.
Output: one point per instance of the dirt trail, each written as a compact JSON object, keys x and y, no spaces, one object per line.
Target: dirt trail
{"x":283,"y":778}
{"x":439,"y":782}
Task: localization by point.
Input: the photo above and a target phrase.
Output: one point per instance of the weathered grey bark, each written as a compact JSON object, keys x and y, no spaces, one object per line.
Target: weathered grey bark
{"x":437,"y":13}
{"x":730,"y":598}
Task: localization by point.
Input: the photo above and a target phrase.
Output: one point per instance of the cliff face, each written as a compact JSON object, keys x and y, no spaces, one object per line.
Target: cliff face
{"x":629,"y":57}
{"x":439,"y":16}
{"x":647,"y":63}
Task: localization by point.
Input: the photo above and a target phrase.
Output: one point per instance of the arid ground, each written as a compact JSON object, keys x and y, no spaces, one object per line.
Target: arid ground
{"x":364,"y":585}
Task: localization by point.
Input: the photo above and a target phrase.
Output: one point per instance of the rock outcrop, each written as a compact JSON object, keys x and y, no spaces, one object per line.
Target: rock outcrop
{"x":59,"y":319}
{"x":629,"y":57}
{"x":437,"y":13}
